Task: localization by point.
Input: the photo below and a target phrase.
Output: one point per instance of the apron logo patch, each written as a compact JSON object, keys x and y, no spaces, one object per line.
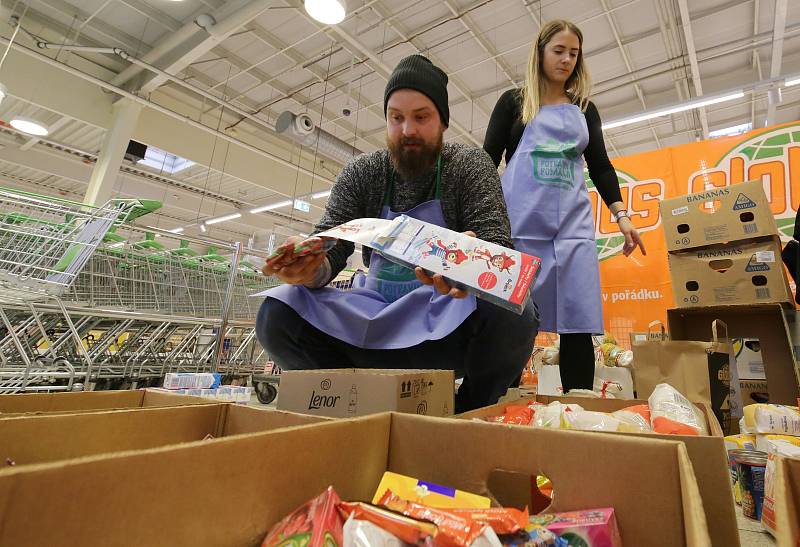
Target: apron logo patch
{"x":554,"y":163}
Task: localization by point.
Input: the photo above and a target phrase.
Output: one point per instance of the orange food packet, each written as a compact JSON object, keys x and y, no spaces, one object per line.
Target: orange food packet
{"x":453,"y":530}
{"x":642,"y":410}
{"x":407,"y":529}
{"x":671,"y":427}
{"x":502,"y":520}
{"x":517,"y":415}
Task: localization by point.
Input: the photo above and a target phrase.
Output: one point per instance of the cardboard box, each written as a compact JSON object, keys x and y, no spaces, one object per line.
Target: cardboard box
{"x":766,"y":322}
{"x":46,"y":438}
{"x":345,"y":393}
{"x":754,"y":391}
{"x":89,"y":401}
{"x":707,"y":454}
{"x":717,"y":215}
{"x":179,"y":497}
{"x":743,"y":273}
{"x":749,"y":361}
{"x":787,"y":502}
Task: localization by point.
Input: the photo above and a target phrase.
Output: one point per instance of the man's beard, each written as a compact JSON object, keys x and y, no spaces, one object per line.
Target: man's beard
{"x":414,"y":163}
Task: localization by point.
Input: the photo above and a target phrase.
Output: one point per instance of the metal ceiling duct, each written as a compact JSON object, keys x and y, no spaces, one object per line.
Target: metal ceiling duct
{"x":301,"y":129}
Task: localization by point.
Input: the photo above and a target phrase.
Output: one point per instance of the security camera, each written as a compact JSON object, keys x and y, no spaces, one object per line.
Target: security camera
{"x":346,"y":111}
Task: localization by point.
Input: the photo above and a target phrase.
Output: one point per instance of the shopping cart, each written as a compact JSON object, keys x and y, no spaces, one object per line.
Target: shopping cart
{"x":44,"y":245}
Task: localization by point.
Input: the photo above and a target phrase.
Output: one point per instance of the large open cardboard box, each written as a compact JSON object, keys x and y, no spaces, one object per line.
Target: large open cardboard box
{"x":707,"y":454}
{"x":229,"y":492}
{"x":787,"y":502}
{"x":767,"y":322}
{"x":46,"y":438}
{"x":19,"y":403}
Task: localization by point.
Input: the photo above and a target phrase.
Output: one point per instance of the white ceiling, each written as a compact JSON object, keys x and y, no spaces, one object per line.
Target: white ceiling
{"x":639,"y":53}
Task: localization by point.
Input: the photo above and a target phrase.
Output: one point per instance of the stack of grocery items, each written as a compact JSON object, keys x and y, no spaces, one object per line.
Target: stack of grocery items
{"x":613,"y":378}
{"x":406,"y":511}
{"x":768,"y":432}
{"x":667,"y":412}
{"x":205,"y":384}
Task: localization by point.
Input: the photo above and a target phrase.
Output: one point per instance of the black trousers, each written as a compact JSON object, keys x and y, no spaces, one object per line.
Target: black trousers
{"x":576,"y":361}
{"x":489,"y":349}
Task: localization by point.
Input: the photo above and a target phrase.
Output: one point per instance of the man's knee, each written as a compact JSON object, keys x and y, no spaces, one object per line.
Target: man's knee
{"x":273,"y":326}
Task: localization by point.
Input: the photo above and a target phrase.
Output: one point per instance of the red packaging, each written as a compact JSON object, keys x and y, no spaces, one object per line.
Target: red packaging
{"x":502,"y":520}
{"x":315,"y":524}
{"x":453,"y":530}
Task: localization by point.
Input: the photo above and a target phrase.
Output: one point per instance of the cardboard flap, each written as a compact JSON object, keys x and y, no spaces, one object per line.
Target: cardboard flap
{"x":60,"y":402}
{"x":622,"y":473}
{"x":43,"y":438}
{"x":244,"y":419}
{"x":223,"y":492}
{"x":787,"y":502}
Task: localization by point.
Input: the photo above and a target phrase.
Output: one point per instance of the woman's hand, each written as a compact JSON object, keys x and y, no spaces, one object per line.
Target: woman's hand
{"x":632,"y":237}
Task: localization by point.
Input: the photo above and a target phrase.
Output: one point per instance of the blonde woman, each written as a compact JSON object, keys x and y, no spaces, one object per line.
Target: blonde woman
{"x":546,"y":129}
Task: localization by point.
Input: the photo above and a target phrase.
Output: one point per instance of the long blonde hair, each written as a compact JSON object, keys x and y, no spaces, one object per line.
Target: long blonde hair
{"x":577,"y":86}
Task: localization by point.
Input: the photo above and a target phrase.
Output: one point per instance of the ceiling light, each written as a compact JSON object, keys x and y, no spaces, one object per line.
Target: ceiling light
{"x":329,"y":12}
{"x":790,"y":83}
{"x":3,"y":92}
{"x":271,"y":206}
{"x":223,"y":218}
{"x":323,"y":194}
{"x":698,"y":103}
{"x":116,"y":245}
{"x":176,"y":230}
{"x":29,"y":126}
{"x":203,"y":228}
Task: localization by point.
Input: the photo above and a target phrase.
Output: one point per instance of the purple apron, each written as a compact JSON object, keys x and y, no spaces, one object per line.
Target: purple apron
{"x":388,"y":308}
{"x":551,"y":217}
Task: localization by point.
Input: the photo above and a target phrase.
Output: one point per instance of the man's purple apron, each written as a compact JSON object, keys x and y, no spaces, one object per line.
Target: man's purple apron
{"x":388,"y":308}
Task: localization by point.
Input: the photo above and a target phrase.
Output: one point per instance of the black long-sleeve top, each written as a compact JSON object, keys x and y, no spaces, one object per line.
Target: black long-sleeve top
{"x":505,"y":131}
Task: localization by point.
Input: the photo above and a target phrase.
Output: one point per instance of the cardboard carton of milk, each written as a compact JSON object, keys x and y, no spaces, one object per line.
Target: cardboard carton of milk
{"x":494,"y":273}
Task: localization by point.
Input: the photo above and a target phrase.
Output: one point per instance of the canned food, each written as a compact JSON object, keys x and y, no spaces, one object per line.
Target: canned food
{"x":750,"y":469}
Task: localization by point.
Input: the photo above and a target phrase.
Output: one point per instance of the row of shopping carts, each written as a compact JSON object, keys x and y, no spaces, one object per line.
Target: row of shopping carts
{"x":90,"y":300}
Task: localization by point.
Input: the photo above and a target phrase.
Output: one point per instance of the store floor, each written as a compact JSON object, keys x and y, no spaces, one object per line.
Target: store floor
{"x":751,"y":533}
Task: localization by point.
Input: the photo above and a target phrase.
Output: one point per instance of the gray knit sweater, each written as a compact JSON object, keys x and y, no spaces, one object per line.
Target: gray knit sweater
{"x":472,"y":198}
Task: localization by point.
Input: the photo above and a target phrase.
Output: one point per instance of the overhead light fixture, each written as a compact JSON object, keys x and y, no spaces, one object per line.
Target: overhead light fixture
{"x":178,"y":230}
{"x":790,"y":83}
{"x":29,"y":126}
{"x":203,"y":228}
{"x":3,"y":92}
{"x":690,"y":105}
{"x":323,"y":194}
{"x":116,"y":245}
{"x":271,"y":206}
{"x":223,"y":218}
{"x":329,"y":12}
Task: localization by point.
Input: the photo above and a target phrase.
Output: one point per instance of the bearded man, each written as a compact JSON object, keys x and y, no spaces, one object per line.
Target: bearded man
{"x":396,"y":317}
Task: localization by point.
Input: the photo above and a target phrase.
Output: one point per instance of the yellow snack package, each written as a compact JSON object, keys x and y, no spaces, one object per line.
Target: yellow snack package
{"x":769,"y":418}
{"x":427,"y":493}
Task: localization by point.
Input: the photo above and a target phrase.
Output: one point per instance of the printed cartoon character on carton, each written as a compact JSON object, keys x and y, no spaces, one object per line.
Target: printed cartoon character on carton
{"x":501,"y":261}
{"x":449,"y":254}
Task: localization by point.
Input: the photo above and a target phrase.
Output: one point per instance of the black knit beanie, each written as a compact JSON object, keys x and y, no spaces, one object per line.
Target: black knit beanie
{"x":419,"y":73}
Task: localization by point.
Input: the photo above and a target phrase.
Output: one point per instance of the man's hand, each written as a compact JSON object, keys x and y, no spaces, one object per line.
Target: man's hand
{"x":439,"y":282}
{"x":303,"y":270}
